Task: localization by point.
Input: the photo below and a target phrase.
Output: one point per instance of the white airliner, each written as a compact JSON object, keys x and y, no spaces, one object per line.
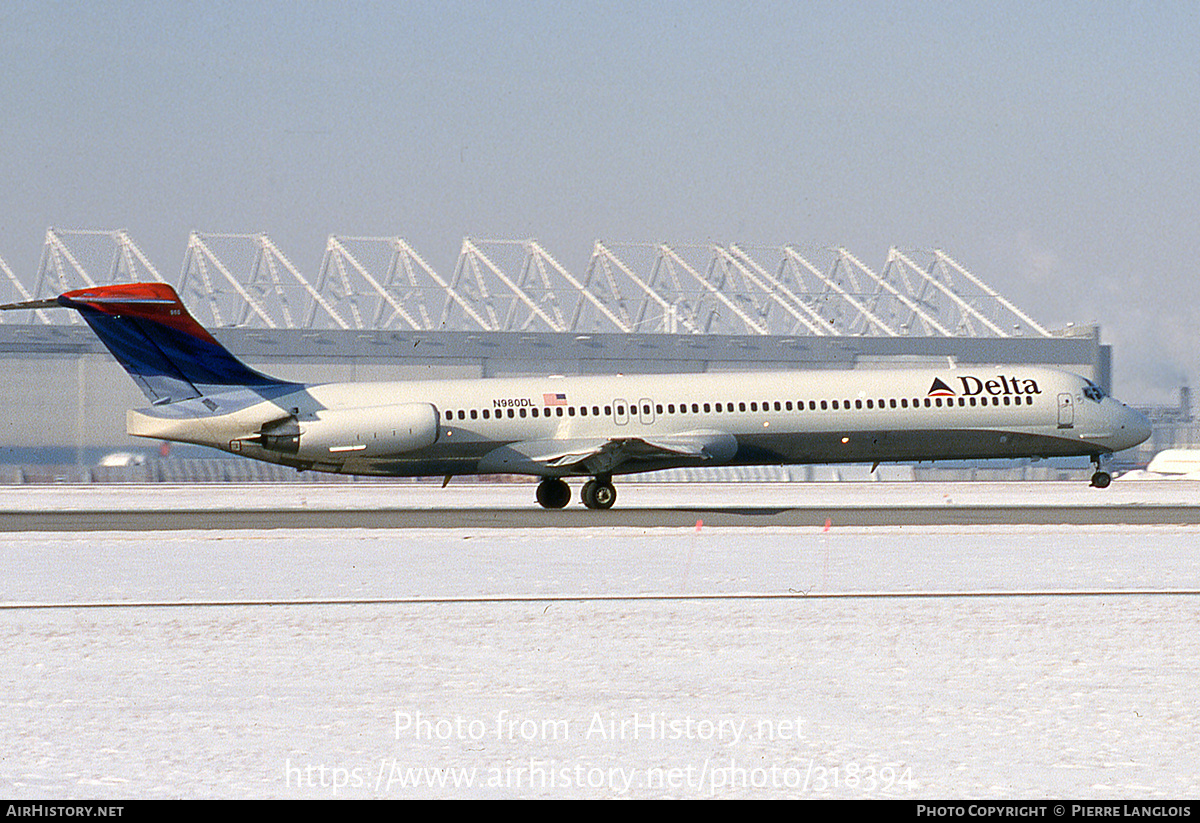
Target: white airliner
{"x":589,"y":427}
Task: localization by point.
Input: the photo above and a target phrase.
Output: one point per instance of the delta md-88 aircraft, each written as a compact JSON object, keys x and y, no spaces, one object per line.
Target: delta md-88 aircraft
{"x":592,"y":427}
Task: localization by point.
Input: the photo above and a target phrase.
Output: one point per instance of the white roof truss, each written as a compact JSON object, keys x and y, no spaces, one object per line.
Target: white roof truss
{"x":885,"y":289}
{"x":796,"y":263}
{"x":80,"y":258}
{"x":779,"y":291}
{"x":517,"y":285}
{"x":653,"y":313}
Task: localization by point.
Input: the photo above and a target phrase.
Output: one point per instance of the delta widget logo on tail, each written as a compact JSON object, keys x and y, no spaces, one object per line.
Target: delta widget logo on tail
{"x":971,"y":386}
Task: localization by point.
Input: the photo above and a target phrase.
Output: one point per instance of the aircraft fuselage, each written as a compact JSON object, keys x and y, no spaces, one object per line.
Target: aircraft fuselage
{"x":512,"y":425}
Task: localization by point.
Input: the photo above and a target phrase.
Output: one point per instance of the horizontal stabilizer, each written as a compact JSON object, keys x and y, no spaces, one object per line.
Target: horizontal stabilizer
{"x":31,"y":304}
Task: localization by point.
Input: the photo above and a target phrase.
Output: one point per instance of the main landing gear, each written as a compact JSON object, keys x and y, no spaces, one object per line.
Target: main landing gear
{"x":1101,"y":478}
{"x":554,"y":493}
{"x":599,"y":493}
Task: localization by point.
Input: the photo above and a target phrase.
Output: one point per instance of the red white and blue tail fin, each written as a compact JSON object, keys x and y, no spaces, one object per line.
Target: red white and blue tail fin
{"x":151,"y":334}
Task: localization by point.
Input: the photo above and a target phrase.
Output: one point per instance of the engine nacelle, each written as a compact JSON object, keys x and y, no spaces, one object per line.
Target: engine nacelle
{"x":370,"y":431}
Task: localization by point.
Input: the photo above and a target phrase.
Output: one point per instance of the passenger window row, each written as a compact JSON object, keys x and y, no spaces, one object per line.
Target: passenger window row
{"x":528,"y":411}
{"x":741,"y":407}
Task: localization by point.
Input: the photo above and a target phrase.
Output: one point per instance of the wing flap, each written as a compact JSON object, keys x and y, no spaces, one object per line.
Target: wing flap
{"x":607,"y":456}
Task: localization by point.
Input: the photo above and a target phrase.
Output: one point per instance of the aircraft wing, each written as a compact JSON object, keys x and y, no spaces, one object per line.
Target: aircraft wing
{"x":606,"y":456}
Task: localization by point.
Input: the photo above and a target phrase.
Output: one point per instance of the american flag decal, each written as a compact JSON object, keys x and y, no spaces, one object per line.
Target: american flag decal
{"x":554,"y":399}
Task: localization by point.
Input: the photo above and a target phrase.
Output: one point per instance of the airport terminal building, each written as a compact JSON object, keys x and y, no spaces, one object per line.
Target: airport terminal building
{"x":376,"y":310}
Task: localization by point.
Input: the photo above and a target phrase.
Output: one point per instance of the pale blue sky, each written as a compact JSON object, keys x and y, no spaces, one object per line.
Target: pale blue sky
{"x":1052,"y":150}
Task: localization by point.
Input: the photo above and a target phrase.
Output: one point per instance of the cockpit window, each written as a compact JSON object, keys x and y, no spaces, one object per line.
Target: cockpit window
{"x":1093,"y":392}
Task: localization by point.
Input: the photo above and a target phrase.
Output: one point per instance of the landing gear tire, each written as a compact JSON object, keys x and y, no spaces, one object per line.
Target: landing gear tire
{"x":599,"y":494}
{"x":1101,"y":478}
{"x":553,"y":493}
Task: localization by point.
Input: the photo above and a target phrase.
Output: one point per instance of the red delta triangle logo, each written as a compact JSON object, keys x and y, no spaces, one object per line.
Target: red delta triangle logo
{"x":940,"y":389}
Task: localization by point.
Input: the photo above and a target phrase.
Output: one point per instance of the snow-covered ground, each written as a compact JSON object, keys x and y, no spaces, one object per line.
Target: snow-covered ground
{"x":1041,"y":695}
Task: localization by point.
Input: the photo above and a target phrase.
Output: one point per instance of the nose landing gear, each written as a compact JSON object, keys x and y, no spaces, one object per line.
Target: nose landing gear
{"x":1101,"y":478}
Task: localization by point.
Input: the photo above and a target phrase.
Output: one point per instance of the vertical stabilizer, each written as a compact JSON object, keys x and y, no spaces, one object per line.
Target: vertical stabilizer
{"x":156,"y":340}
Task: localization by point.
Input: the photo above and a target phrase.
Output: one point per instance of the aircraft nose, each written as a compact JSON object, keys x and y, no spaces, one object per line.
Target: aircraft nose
{"x":1135,"y":428}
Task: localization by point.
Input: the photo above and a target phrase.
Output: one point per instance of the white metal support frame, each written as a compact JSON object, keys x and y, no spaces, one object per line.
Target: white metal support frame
{"x":260,"y":293}
{"x":606,"y":261}
{"x":931,"y":324}
{"x":272,"y":258}
{"x":25,"y":294}
{"x":735,"y":282}
{"x":620,"y":324}
{"x":336,"y":252}
{"x":132,"y":259}
{"x":671,"y":259}
{"x":518,"y":285}
{"x":534,"y":281}
{"x":408,"y":255}
{"x":793,"y":258}
{"x":473,"y":258}
{"x":54,"y":254}
{"x":943,"y":259}
{"x":570,"y":302}
{"x":71,"y":256}
{"x":968,"y":311}
{"x":200,"y":256}
{"x":774,"y":286}
{"x":397,"y":278}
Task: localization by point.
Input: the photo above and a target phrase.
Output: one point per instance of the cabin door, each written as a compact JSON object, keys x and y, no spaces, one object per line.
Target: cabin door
{"x":646,"y":411}
{"x":620,"y":412}
{"x":1066,"y":411}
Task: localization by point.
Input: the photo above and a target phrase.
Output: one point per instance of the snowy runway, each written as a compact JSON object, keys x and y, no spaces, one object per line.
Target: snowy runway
{"x":1008,"y":697}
